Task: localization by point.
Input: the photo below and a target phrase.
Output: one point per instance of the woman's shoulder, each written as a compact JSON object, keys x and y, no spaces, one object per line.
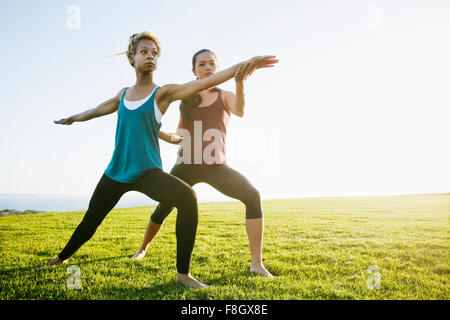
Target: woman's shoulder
{"x":120,"y":93}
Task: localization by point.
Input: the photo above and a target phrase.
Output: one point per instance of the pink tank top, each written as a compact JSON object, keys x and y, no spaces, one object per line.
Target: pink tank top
{"x":207,"y":129}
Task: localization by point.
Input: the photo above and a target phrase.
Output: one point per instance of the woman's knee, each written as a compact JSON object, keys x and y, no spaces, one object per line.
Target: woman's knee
{"x":192,"y":194}
{"x":161,"y":212}
{"x":185,"y":196}
{"x":253,"y":205}
{"x":252,"y":196}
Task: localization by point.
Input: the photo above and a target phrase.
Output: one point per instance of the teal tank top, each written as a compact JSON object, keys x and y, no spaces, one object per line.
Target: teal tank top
{"x":136,"y":145}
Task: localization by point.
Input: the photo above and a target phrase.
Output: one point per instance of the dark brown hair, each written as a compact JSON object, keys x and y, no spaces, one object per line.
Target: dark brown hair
{"x":194,"y":101}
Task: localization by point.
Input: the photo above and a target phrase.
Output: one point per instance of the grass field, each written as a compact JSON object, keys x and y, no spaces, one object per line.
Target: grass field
{"x":319,"y":248}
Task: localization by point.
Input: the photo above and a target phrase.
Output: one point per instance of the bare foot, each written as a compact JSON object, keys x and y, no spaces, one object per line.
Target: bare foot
{"x":139,"y":254}
{"x":188,"y":281}
{"x":260,"y":270}
{"x":54,"y":262}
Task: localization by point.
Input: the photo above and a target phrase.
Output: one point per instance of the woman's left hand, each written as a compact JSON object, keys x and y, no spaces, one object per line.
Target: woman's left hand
{"x":175,"y":138}
{"x":245,"y":71}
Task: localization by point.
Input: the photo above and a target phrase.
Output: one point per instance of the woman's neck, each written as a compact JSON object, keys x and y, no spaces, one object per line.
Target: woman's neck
{"x":144,"y":79}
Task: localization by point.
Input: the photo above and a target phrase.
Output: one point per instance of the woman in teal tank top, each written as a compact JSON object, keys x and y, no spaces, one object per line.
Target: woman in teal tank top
{"x":136,"y":162}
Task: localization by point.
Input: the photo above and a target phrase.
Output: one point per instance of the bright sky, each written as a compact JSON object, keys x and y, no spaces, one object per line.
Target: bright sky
{"x":358,"y":104}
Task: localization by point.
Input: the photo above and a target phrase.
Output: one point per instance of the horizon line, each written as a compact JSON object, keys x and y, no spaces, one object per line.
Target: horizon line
{"x":288,"y":197}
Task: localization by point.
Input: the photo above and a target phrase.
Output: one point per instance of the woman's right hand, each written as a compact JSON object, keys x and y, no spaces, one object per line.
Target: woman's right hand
{"x":67,"y":121}
{"x":248,"y":67}
{"x":263,"y":61}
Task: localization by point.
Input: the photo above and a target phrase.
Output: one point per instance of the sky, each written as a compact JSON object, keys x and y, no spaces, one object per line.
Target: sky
{"x":357,"y":105}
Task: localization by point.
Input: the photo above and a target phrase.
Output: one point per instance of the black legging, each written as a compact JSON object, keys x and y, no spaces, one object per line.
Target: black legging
{"x":159,"y":186}
{"x":223,"y":178}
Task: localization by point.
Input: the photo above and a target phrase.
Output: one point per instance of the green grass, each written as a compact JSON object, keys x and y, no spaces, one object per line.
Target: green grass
{"x":319,"y":248}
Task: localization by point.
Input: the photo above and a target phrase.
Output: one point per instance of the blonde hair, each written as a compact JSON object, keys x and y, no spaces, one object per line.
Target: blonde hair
{"x":134,"y":40}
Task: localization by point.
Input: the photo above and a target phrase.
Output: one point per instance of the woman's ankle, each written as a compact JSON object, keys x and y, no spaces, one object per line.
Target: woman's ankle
{"x":61,"y":261}
{"x":142,"y":250}
{"x":256,"y":264}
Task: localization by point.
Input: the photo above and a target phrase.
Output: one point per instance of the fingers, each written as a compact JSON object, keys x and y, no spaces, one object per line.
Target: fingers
{"x":240,"y":75}
{"x":267,"y":66}
{"x":269,"y":62}
{"x":263,"y":61}
{"x":242,"y":72}
{"x":259,"y":62}
{"x":176,"y":138}
{"x":272,"y":61}
{"x":249,"y":69}
{"x":268,"y":57}
{"x":63,"y":121}
{"x":245,"y":70}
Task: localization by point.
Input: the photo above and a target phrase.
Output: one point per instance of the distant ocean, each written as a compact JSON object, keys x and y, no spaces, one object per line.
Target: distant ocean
{"x":61,"y":203}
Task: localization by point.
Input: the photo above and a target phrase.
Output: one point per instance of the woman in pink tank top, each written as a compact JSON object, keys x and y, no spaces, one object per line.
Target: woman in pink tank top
{"x":202,"y":154}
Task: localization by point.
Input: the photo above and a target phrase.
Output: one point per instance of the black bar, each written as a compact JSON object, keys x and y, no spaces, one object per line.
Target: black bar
{"x":224,"y":309}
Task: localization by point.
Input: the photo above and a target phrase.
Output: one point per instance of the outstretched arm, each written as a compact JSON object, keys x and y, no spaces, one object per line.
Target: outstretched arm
{"x":107,"y":107}
{"x":172,"y":92}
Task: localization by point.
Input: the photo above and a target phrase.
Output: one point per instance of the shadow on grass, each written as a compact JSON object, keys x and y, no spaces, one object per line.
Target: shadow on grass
{"x":168,"y":289}
{"x":160,"y":288}
{"x":77,"y":262}
{"x":81,"y":260}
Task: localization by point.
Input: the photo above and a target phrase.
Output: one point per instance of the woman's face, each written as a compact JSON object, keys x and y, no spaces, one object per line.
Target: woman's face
{"x":205,"y":65}
{"x":146,"y":57}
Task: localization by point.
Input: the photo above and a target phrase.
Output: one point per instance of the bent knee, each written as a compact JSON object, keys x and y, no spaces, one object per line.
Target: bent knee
{"x":252,"y":196}
{"x":191,"y":195}
{"x":253,"y":205}
{"x":186,"y":195}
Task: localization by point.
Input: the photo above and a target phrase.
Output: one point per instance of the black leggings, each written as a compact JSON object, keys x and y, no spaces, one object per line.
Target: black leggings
{"x":159,"y":186}
{"x":223,"y":178}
